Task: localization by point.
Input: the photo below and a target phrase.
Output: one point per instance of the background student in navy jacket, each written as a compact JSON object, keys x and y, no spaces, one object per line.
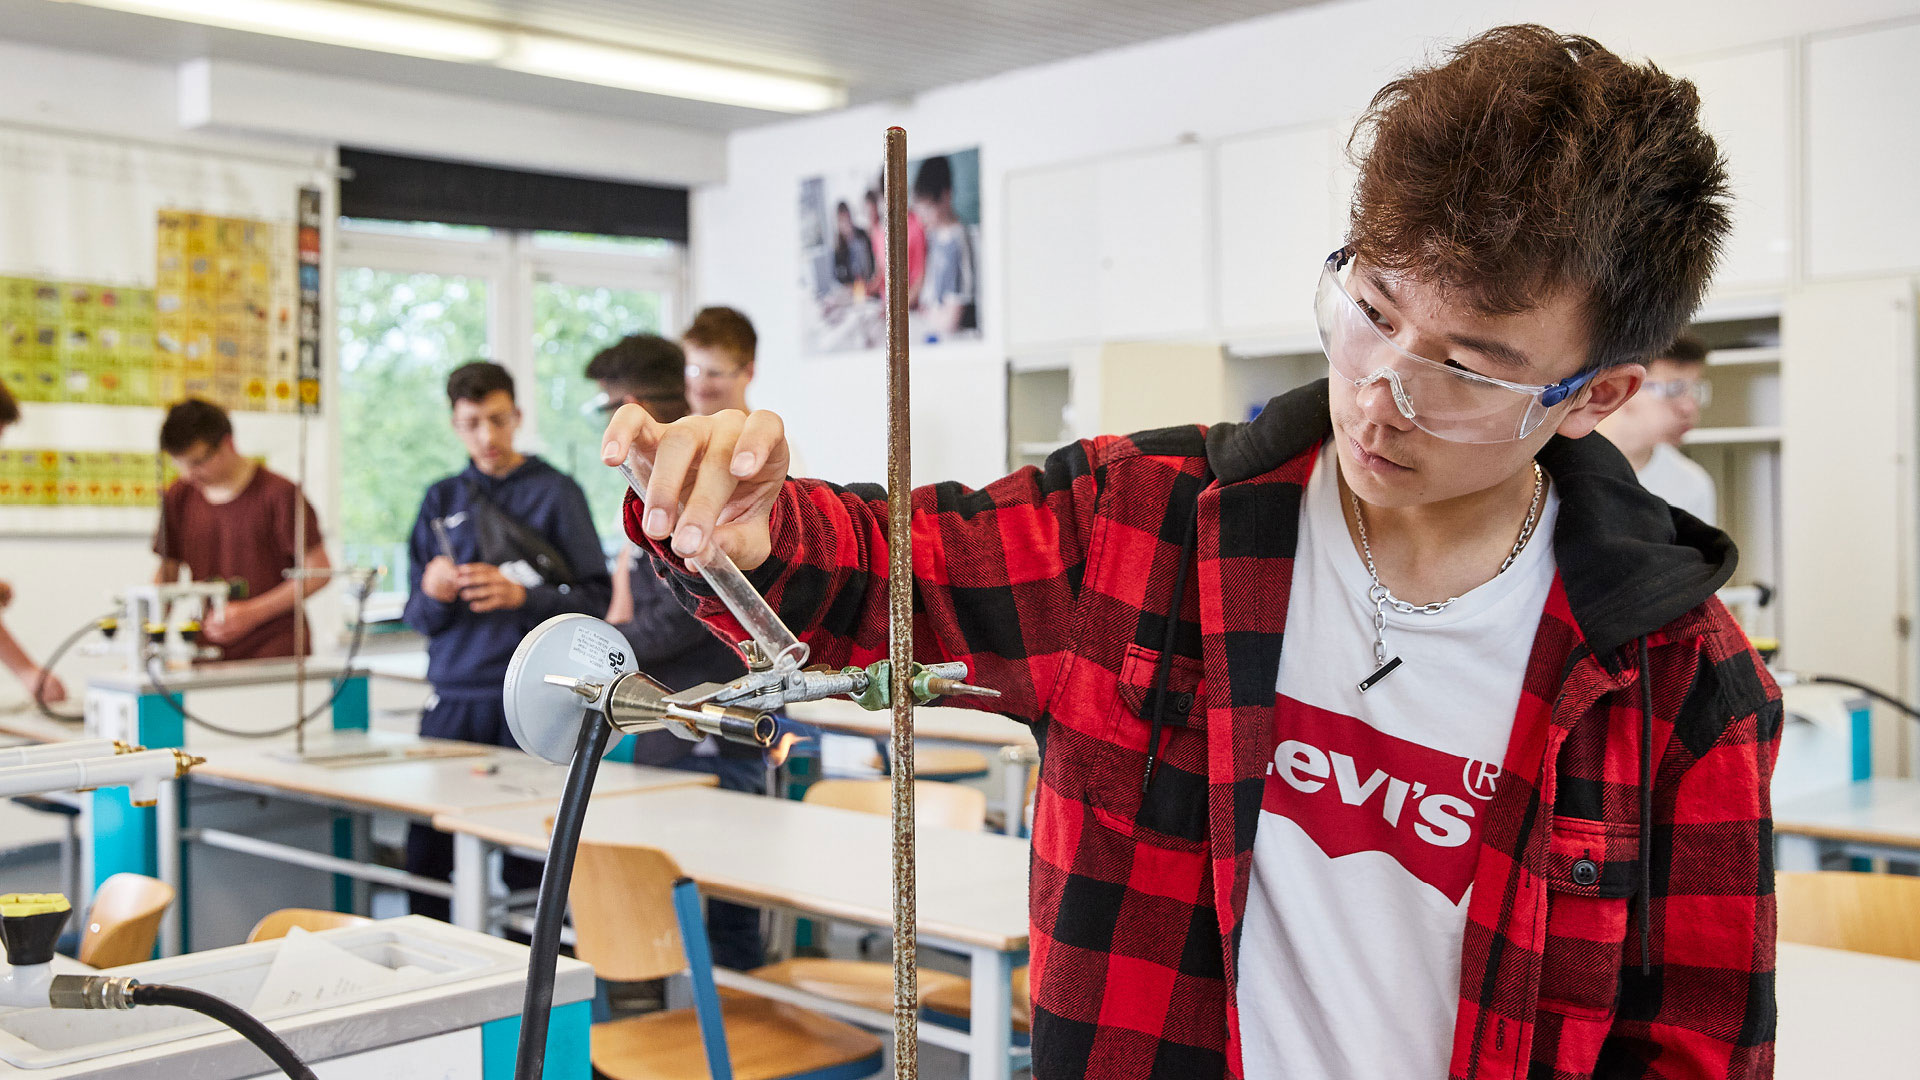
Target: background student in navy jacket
{"x":500,"y":581}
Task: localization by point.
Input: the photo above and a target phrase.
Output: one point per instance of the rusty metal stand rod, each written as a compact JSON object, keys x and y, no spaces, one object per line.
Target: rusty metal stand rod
{"x":906,"y":989}
{"x":300,"y":589}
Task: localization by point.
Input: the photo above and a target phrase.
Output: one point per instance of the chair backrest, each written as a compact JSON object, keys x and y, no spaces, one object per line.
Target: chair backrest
{"x":1870,"y":913}
{"x":277,"y":923}
{"x":623,"y":917}
{"x":124,"y":920}
{"x":935,"y":804}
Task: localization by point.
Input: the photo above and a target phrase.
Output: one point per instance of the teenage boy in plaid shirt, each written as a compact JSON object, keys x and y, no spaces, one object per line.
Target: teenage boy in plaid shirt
{"x":1499,"y":807}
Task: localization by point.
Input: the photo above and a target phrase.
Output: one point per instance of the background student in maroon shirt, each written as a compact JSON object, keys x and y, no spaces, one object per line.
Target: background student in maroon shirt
{"x":230,"y":517}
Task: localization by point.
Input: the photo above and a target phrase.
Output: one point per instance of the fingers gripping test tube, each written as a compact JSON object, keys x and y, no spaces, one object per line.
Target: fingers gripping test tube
{"x":742,"y":599}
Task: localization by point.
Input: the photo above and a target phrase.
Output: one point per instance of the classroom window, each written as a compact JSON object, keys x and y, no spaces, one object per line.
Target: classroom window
{"x":570,"y":324}
{"x":400,"y":333}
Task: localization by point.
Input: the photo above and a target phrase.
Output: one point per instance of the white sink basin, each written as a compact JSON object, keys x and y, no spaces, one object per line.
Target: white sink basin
{"x":435,"y":954}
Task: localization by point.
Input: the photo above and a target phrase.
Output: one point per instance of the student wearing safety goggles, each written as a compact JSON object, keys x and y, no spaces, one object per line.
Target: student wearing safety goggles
{"x":1498,"y":808}
{"x":1648,"y":428}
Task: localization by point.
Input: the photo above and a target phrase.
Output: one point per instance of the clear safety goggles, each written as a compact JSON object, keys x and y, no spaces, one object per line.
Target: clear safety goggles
{"x":1700,"y":390}
{"x":1444,"y":401}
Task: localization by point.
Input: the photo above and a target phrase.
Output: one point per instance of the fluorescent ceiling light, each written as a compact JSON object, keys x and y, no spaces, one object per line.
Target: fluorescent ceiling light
{"x":406,"y":33}
{"x":330,"y":24}
{"x":658,"y":73}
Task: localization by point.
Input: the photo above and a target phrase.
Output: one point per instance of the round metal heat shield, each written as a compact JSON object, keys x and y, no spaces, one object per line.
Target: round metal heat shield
{"x":544,"y":718}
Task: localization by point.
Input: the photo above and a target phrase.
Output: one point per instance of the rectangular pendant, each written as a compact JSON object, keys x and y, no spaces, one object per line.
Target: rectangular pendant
{"x":1386,"y":669}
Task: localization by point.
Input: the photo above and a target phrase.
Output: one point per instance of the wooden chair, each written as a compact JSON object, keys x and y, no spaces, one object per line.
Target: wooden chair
{"x":277,"y":923}
{"x":956,"y":1002}
{"x":865,"y":983}
{"x":939,"y":763}
{"x":937,"y":804}
{"x":997,"y":817}
{"x":1870,"y":913}
{"x":635,"y":918}
{"x":124,"y":920}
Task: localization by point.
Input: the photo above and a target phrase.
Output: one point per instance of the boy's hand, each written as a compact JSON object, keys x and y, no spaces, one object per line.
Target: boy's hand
{"x":485,"y":588}
{"x":440,"y":579}
{"x":708,"y":477}
{"x":53,"y":693}
{"x":238,"y":619}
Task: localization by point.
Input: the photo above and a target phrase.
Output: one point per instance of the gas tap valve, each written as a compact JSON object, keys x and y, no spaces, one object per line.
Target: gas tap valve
{"x":929,"y":681}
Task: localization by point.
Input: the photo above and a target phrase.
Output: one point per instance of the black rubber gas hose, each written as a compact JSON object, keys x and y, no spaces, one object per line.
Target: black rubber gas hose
{"x":1881,"y":695}
{"x":228,"y":1013}
{"x":46,"y":669}
{"x":531,"y":1062}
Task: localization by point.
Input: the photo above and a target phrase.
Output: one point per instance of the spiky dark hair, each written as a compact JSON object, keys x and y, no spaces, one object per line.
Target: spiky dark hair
{"x":1531,"y":161}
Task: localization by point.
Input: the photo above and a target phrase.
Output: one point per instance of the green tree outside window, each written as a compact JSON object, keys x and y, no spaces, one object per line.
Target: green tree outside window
{"x":570,"y":324}
{"x":400,"y":334}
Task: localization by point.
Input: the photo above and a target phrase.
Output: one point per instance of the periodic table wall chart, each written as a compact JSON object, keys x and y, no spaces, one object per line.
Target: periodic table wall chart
{"x":132,"y":276}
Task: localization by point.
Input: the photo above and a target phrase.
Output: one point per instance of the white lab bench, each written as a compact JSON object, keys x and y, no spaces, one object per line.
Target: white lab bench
{"x":455,"y":1015}
{"x":131,"y":707}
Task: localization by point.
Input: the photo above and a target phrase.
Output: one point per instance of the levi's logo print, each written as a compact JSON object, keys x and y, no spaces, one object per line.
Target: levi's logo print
{"x":1352,"y":788}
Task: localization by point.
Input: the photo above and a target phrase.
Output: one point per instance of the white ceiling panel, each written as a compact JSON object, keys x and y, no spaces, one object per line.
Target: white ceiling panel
{"x":878,"y":49}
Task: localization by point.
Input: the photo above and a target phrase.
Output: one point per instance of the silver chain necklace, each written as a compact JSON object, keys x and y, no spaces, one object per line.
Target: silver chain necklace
{"x":1384,"y":599}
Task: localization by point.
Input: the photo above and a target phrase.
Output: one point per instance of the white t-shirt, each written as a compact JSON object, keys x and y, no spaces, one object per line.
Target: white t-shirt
{"x":1364,"y":855}
{"x":1681,"y":481}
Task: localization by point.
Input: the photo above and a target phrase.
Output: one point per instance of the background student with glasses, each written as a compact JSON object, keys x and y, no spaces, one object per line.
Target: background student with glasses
{"x":669,"y":644}
{"x":720,"y":345}
{"x":1648,"y":429}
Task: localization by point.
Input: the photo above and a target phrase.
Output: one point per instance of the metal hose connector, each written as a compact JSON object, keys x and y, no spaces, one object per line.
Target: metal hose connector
{"x":91,"y":992}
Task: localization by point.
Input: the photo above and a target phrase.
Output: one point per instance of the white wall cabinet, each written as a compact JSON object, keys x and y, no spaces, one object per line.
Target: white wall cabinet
{"x":1277,"y":214}
{"x":1153,"y":250}
{"x":1863,"y":152}
{"x":1746,"y":100}
{"x":1114,"y":249}
{"x":1847,"y":488}
{"x":1053,"y":231}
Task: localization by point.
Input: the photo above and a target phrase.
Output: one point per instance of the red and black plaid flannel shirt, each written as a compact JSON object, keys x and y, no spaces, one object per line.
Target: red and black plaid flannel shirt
{"x":1053,"y":585}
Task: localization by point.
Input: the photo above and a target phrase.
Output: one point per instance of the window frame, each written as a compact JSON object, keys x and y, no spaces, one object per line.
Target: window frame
{"x":513,"y":264}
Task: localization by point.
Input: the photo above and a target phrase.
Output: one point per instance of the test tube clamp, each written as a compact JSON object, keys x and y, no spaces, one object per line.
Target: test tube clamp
{"x":572,"y":663}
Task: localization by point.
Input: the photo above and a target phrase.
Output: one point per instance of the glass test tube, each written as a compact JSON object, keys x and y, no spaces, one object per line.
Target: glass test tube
{"x":742,"y":599}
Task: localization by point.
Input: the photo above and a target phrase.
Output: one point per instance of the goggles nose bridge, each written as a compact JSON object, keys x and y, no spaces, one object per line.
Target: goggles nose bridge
{"x":1400,"y":399}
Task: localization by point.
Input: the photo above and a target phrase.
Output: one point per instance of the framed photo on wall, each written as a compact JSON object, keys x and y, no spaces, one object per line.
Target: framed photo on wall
{"x":843,"y":255}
